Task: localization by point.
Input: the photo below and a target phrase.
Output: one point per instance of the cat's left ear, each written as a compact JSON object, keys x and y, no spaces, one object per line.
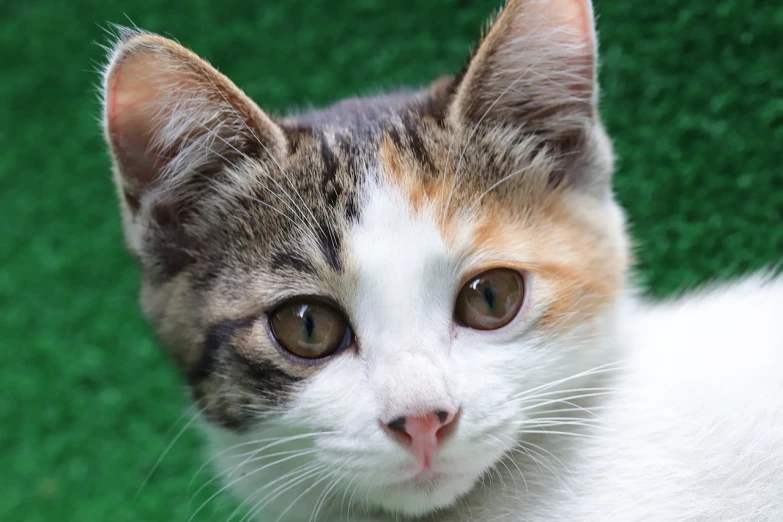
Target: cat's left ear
{"x":535,"y":72}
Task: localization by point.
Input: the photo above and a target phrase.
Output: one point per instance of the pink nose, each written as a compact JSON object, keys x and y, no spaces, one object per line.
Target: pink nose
{"x":423,"y":434}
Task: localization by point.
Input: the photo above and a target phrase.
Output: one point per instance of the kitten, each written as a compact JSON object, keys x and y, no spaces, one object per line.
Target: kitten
{"x":418,"y":304}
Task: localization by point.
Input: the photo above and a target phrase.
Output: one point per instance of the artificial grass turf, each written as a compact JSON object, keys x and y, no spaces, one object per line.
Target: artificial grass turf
{"x":692,"y":94}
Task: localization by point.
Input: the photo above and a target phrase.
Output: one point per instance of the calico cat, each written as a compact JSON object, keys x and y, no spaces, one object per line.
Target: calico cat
{"x":418,"y":305}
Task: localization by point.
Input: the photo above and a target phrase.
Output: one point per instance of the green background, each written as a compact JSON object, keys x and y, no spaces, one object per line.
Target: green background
{"x":692,"y":93}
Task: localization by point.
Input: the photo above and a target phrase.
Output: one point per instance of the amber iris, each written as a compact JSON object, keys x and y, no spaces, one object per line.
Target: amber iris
{"x":491,"y":299}
{"x":310,"y":329}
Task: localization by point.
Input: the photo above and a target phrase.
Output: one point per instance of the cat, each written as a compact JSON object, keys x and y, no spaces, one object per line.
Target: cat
{"x":420,"y":305}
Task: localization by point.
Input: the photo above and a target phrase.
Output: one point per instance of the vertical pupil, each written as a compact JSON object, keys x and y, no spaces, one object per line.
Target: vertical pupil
{"x":489,"y":297}
{"x":309,"y":325}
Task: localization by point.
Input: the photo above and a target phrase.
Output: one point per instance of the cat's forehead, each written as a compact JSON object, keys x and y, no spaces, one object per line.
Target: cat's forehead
{"x":399,"y":256}
{"x":345,"y":160}
{"x":336,"y":177}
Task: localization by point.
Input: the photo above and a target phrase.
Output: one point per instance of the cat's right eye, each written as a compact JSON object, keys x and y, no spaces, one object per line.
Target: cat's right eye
{"x":310,"y":329}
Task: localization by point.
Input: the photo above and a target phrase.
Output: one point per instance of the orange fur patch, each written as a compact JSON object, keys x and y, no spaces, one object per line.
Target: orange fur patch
{"x":581,"y":256}
{"x":406,"y":174}
{"x":583,"y":263}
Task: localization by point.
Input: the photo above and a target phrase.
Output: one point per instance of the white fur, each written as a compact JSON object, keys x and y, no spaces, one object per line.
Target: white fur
{"x":687,"y":423}
{"x":695,"y":431}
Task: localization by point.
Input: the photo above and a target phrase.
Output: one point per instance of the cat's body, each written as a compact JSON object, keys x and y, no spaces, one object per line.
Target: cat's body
{"x":695,"y":431}
{"x":419,"y":305}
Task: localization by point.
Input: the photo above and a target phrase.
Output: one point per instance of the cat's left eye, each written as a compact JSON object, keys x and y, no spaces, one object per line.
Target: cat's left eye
{"x":490,"y":300}
{"x":310,"y":329}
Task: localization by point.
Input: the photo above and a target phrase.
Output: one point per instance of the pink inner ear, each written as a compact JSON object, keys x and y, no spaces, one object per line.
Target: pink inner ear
{"x":578,"y":14}
{"x":573,"y":21}
{"x":133,"y":112}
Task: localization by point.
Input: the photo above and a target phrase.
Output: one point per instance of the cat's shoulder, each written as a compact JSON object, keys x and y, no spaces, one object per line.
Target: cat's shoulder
{"x":715,"y":353}
{"x":732,"y":330}
{"x":695,"y":427}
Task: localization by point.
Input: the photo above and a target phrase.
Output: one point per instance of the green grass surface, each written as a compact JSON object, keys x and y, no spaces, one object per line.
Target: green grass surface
{"x":692,"y":93}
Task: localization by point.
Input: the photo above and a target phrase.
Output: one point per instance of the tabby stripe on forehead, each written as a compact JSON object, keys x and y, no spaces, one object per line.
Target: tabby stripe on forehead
{"x":330,"y":163}
{"x":287,"y":260}
{"x":415,"y":144}
{"x":329,"y":242}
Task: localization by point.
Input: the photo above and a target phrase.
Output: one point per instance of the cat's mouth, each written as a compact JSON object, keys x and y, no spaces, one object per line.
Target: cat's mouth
{"x":440,"y":473}
{"x":424,"y":491}
{"x":428,"y":478}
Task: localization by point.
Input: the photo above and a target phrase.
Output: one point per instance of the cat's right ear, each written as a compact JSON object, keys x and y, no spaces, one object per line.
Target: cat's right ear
{"x":173,"y":123}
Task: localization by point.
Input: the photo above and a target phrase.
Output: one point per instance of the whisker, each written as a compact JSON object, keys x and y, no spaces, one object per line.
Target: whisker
{"x":303,"y":493}
{"x":273,"y":441}
{"x":302,"y":469}
{"x":168,"y":449}
{"x":502,"y":462}
{"x":277,"y":492}
{"x":540,"y":448}
{"x":539,"y":461}
{"x":556,"y":401}
{"x":324,"y":495}
{"x":230,"y":471}
{"x":573,"y":409}
{"x":523,"y":450}
{"x":234,"y":481}
{"x":524,"y":424}
{"x":350,"y":500}
{"x":496,"y":185}
{"x":550,"y":393}
{"x":553,"y":432}
{"x":592,"y":421}
{"x":522,"y":475}
{"x":345,"y":493}
{"x":598,"y":370}
{"x":269,"y":154}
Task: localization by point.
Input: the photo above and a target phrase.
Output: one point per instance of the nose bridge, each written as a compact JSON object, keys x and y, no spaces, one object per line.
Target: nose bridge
{"x":412,"y":380}
{"x":406,"y":344}
{"x":402,"y":301}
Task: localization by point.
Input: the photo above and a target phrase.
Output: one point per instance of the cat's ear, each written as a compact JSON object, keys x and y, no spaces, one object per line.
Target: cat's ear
{"x":534,"y":70}
{"x":171,"y":119}
{"x":536,"y":62}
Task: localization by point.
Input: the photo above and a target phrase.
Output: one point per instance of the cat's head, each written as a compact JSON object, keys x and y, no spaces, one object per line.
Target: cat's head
{"x":394,"y":283}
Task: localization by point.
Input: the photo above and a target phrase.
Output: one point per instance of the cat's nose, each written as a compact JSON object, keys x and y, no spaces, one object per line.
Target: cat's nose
{"x":423,"y":434}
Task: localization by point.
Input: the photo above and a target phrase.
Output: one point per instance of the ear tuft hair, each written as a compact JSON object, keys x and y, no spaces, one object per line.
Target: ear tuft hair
{"x":178,"y":131}
{"x":169,"y":115}
{"x":535,"y":73}
{"x":535,"y":62}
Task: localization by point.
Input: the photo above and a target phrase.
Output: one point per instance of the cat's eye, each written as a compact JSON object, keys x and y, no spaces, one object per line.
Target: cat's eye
{"x":310,"y":329}
{"x":490,"y":300}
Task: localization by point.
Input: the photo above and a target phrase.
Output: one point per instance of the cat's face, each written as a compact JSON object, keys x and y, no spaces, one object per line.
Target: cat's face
{"x":377,"y":297}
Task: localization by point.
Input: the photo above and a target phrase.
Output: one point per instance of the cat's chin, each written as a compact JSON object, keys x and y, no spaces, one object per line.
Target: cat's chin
{"x":423,"y":494}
